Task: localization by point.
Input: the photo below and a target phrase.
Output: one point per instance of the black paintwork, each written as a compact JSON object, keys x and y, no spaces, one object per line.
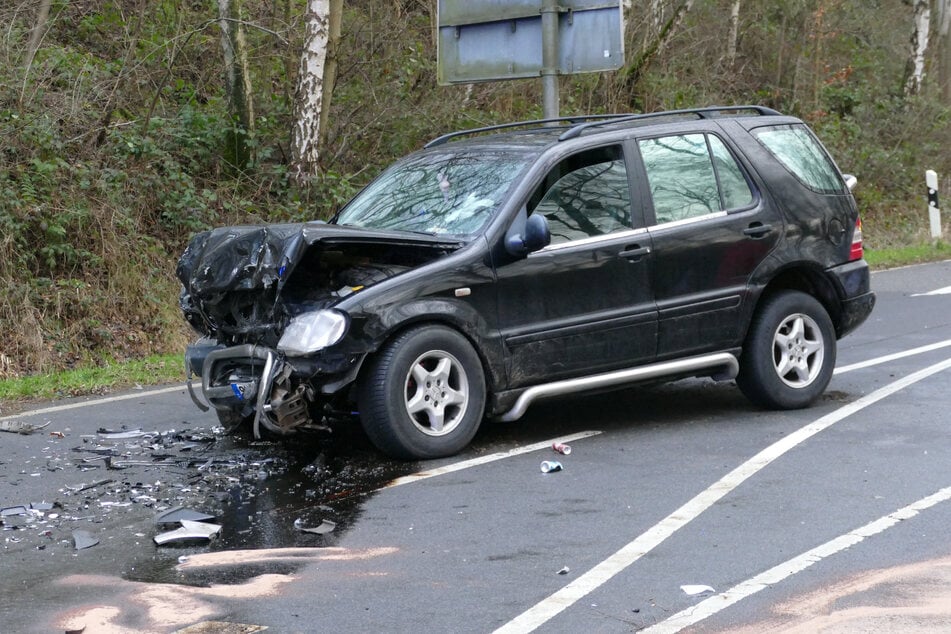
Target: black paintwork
{"x":572,"y":309}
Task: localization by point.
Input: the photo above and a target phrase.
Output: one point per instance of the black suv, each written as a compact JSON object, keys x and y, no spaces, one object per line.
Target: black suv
{"x":506,"y":264}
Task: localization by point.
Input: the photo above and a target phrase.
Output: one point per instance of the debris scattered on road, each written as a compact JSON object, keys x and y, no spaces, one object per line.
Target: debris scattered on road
{"x":189,"y":531}
{"x":326,"y":526}
{"x":562,"y":448}
{"x":693,"y":590}
{"x":19,"y":427}
{"x":549,"y":466}
{"x":84,"y":539}
{"x":564,"y":570}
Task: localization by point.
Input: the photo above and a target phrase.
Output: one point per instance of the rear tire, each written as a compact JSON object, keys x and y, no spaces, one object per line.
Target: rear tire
{"x":423,"y":395}
{"x":789,"y":355}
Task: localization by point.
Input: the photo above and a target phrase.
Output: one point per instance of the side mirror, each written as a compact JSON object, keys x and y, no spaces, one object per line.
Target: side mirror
{"x":535,"y":236}
{"x":850,"y":181}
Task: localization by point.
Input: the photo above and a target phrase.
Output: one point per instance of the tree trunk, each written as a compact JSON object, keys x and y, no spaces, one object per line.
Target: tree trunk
{"x":36,"y":36}
{"x":237,"y":83}
{"x":919,"y":47}
{"x":733,"y":35}
{"x":631,"y":73}
{"x":308,"y":95}
{"x":944,"y":49}
{"x":330,"y":67}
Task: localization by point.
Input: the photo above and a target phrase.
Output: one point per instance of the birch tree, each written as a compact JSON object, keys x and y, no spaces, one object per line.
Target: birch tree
{"x":733,"y":34}
{"x":919,"y":47}
{"x":309,"y":93}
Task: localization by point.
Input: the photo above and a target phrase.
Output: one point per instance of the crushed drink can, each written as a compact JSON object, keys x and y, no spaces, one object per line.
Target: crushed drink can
{"x":551,"y":465}
{"x":561,"y":448}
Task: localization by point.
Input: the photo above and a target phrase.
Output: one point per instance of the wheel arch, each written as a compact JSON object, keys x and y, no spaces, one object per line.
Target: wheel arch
{"x":810,"y":280}
{"x":459,"y":317}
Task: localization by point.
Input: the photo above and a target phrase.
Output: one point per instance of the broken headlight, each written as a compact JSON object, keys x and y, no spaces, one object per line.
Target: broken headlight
{"x":310,"y":332}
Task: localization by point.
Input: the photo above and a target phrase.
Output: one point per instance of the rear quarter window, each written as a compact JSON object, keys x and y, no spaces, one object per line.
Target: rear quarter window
{"x":800,"y":153}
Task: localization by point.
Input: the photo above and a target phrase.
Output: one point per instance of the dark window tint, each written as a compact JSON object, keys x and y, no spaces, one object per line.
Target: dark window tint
{"x":801,"y":154}
{"x":586,"y":195}
{"x":692,"y":175}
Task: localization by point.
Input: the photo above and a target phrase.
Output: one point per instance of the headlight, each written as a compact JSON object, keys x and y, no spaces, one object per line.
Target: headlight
{"x":310,"y":332}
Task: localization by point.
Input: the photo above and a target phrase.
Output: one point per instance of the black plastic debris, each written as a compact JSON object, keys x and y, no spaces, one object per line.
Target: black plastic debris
{"x":84,"y":539}
{"x":189,"y":531}
{"x":179,"y":513}
{"x":326,"y":526}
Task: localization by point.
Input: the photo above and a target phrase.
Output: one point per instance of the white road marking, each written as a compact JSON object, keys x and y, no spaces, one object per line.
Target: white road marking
{"x":938,"y":291}
{"x":474,"y":462}
{"x":892,"y":357}
{"x":710,"y":606}
{"x":553,"y":605}
{"x":98,"y":401}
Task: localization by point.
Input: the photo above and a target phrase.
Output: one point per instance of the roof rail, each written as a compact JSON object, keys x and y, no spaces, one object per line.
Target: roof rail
{"x":702,"y":113}
{"x":586,"y":122}
{"x":539,"y":122}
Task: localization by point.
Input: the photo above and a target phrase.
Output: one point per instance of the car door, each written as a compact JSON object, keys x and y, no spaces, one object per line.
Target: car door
{"x":710,"y":229}
{"x":583,"y":304}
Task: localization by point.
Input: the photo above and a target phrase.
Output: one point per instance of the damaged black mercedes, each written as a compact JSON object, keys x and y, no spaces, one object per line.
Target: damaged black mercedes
{"x":499,"y":266}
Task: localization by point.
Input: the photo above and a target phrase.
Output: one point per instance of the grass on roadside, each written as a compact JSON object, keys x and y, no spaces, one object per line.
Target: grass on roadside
{"x":95,"y":380}
{"x":903,"y":256}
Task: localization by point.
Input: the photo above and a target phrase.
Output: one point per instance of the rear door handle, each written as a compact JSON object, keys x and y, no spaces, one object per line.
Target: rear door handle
{"x":758,"y":230}
{"x":634,"y":252}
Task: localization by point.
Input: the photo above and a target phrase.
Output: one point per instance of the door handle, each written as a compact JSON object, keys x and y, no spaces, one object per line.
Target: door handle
{"x":758,"y":230}
{"x":634,"y":252}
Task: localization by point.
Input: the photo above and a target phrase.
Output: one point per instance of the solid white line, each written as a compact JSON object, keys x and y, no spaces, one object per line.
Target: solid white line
{"x":714,"y":604}
{"x":548,"y":608}
{"x":939,"y":291}
{"x":474,"y":462}
{"x":892,"y":357}
{"x":99,"y":401}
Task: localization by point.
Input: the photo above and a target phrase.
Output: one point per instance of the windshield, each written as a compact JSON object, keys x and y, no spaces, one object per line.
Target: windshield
{"x":446,"y":193}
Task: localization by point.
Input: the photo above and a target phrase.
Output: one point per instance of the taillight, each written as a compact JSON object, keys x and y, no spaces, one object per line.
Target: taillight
{"x":856,"y":252}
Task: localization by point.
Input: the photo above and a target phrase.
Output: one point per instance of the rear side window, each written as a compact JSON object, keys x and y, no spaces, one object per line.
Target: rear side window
{"x":692,"y":175}
{"x":796,"y":148}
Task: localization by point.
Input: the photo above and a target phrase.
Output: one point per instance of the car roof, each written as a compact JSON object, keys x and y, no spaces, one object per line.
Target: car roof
{"x":536,"y":135}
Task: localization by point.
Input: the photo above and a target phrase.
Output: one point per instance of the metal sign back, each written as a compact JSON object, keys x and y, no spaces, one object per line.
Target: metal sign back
{"x":489,"y":40}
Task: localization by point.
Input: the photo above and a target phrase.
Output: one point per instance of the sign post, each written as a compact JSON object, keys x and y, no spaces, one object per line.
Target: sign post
{"x":494,"y":40}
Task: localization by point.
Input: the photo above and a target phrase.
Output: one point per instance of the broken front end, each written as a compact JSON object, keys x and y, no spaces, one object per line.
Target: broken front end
{"x":276,"y":351}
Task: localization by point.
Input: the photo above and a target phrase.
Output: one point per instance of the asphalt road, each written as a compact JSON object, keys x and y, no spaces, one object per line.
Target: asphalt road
{"x":827,"y":519}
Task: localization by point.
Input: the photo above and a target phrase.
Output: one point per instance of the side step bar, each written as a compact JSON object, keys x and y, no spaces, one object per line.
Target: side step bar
{"x":722,"y":364}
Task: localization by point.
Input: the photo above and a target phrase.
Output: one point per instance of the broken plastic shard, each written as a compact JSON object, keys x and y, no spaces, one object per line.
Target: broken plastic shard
{"x":10,"y":511}
{"x":19,"y":427}
{"x":693,"y":590}
{"x":189,"y":530}
{"x":180,"y":513}
{"x":84,"y":539}
{"x":326,"y":526}
{"x":123,"y":435}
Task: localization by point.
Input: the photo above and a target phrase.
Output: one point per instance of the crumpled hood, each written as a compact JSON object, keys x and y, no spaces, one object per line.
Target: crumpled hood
{"x":236,"y":279}
{"x":258,"y":257}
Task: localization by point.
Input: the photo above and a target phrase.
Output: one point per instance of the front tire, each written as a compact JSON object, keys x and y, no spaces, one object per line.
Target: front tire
{"x":423,"y":395}
{"x":789,"y":355}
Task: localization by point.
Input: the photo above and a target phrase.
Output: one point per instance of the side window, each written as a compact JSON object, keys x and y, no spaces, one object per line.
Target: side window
{"x":692,"y":175}
{"x":585,"y":195}
{"x":802,"y":155}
